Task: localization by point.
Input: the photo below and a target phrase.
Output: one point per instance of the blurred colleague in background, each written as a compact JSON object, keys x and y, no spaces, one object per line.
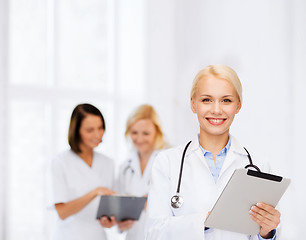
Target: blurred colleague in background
{"x":143,"y":128}
{"x":79,"y":176}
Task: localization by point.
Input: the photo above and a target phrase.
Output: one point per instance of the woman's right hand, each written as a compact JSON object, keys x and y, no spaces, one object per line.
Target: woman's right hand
{"x":99,"y":191}
{"x":107,"y":222}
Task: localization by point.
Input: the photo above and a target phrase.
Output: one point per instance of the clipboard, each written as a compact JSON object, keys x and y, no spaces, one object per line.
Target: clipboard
{"x":121,"y":207}
{"x":244,"y":189}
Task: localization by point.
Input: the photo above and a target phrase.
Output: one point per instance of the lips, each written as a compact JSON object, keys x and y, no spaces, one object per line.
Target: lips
{"x":216,"y":121}
{"x":97,"y":141}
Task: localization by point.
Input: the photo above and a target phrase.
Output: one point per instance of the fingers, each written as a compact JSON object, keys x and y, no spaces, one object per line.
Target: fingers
{"x":266,"y":216}
{"x":105,"y":222}
{"x":104,"y":191}
{"x":268,"y":209}
{"x":125,"y":225}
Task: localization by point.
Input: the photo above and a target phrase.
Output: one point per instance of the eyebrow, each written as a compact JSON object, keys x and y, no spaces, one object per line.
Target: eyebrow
{"x":206,"y":95}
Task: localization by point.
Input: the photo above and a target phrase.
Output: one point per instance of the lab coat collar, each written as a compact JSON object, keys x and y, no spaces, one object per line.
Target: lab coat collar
{"x":235,"y":148}
{"x":235,"y":152}
{"x":194,"y":148}
{"x":135,"y":164}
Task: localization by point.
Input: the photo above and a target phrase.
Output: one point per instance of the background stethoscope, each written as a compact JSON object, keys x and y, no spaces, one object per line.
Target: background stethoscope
{"x":129,"y":168}
{"x":177,"y":201}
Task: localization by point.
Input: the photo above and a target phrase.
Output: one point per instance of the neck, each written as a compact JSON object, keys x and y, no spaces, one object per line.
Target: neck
{"x":143,"y":159}
{"x":213,"y":143}
{"x":145,"y":156}
{"x":87,"y":155}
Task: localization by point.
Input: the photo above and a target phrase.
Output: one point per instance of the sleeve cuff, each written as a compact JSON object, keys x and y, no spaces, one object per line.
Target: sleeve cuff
{"x":273,"y":238}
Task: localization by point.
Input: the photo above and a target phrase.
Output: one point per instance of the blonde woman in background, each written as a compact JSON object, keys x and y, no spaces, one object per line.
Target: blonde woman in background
{"x":143,"y":128}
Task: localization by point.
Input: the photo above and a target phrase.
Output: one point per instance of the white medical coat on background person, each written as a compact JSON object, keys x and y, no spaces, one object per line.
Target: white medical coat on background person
{"x":71,"y":178}
{"x":198,"y":189}
{"x":131,"y":182}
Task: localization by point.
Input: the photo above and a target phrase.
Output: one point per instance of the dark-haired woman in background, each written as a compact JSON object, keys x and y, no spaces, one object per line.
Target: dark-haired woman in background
{"x":79,"y":175}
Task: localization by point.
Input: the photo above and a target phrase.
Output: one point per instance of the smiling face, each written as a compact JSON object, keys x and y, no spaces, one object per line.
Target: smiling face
{"x":216,"y":103}
{"x":143,"y":135}
{"x":91,"y":132}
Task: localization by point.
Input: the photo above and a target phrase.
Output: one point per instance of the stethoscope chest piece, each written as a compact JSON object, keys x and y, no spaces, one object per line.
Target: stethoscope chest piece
{"x":177,"y":201}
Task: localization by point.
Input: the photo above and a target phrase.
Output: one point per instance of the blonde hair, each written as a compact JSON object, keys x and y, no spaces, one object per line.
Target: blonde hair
{"x":146,"y":111}
{"x":219,"y":71}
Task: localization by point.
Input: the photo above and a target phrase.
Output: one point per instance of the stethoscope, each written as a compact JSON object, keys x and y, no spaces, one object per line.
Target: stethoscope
{"x":129,"y":168}
{"x":177,"y":201}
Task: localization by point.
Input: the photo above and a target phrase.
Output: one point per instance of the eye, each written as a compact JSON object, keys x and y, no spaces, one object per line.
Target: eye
{"x":227,"y":100}
{"x":205,"y":100}
{"x":89,"y":130}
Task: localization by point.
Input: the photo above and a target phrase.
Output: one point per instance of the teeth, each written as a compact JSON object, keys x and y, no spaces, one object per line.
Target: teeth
{"x":216,"y":120}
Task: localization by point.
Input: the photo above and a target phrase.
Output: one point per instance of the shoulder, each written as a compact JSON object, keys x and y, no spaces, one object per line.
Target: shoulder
{"x":257,"y":158}
{"x":168,"y":157}
{"x":62,"y":161}
{"x":169,"y":152}
{"x":64,"y":157}
{"x":102,"y":156}
{"x":103,"y":159}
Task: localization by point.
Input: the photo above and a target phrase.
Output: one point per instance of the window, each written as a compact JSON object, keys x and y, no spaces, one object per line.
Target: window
{"x":61,"y":53}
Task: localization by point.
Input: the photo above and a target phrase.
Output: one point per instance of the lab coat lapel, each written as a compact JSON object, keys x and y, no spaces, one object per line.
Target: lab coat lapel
{"x":147,"y":170}
{"x":135,"y":163}
{"x":195,"y":149}
{"x":235,"y":152}
{"x":228,"y":161}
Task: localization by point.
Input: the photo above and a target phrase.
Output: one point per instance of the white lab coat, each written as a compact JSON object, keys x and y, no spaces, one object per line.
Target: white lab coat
{"x":72,"y":178}
{"x":198,"y":190}
{"x":131,"y":182}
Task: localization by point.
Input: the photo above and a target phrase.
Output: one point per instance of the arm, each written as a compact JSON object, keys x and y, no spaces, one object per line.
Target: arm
{"x":67,"y":209}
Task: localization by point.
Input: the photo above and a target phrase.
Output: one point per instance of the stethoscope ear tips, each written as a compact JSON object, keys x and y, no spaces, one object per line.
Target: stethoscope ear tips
{"x":177,"y":201}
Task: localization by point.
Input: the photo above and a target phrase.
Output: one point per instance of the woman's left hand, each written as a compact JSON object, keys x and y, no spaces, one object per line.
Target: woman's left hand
{"x":125,"y":225}
{"x":105,"y":222}
{"x":267,"y":217}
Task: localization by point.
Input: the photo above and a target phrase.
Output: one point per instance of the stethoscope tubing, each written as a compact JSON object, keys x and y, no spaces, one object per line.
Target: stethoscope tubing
{"x":177,"y":200}
{"x":181,"y":168}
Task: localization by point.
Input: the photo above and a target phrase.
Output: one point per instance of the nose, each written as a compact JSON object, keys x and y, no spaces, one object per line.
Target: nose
{"x":99,"y":133}
{"x":139,"y":138}
{"x":216,"y":108}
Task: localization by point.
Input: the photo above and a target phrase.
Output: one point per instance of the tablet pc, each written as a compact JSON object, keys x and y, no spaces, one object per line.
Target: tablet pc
{"x":244,"y":189}
{"x":121,"y":207}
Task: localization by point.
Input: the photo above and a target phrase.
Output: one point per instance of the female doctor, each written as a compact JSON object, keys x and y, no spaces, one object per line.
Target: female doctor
{"x":210,"y":160}
{"x":79,"y":176}
{"x":144,"y":129}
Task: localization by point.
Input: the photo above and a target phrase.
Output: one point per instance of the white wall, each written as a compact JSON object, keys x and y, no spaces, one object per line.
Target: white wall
{"x":3,"y":109}
{"x":264,"y":41}
{"x":161,"y":45}
{"x":297,"y":79}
